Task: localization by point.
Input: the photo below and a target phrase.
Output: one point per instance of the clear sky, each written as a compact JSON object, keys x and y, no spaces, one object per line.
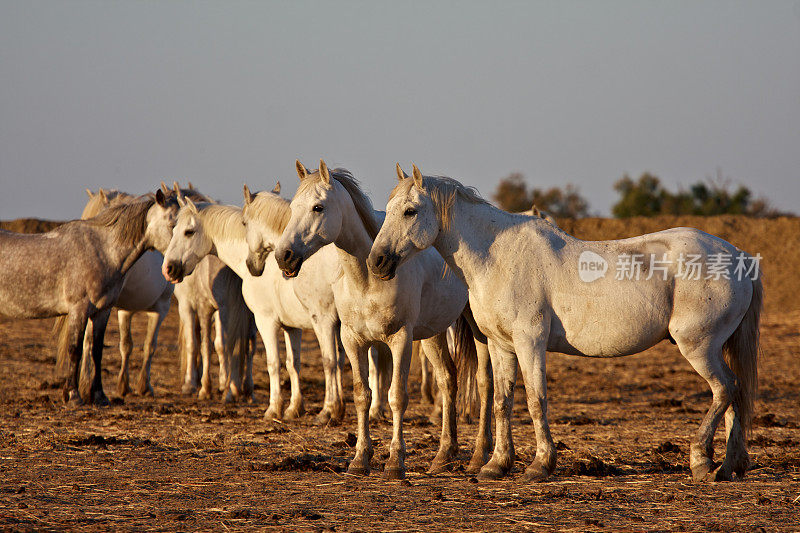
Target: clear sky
{"x":122,"y":94}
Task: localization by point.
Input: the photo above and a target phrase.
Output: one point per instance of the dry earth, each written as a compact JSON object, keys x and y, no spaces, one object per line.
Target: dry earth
{"x":623,"y":428}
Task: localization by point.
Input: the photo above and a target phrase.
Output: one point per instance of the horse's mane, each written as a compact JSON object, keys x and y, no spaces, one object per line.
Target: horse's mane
{"x":271,"y":210}
{"x":224,"y":221}
{"x":443,"y":192}
{"x":361,"y":201}
{"x":97,"y":202}
{"x":129,"y":219}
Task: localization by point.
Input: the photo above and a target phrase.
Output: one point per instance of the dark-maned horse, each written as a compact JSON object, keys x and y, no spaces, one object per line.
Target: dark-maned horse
{"x":78,"y":270}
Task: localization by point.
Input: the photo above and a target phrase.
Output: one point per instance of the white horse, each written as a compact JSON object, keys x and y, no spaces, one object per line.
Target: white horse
{"x":213,"y":292}
{"x":204,"y":229}
{"x":533,"y":288}
{"x":329,"y":207}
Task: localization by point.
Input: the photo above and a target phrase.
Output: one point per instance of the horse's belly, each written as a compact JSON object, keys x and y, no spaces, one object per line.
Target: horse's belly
{"x":144,"y":284}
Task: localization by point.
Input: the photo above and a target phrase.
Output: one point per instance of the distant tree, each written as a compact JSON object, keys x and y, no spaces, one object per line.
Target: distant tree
{"x":647,"y":197}
{"x":513,"y":195}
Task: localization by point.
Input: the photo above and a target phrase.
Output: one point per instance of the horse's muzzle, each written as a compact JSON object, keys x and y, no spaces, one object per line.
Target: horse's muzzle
{"x":289,"y":262}
{"x":384,"y":265}
{"x":173,"y":271}
{"x":254,"y":266}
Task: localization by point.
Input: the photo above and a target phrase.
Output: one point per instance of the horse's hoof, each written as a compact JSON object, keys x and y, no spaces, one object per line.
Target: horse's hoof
{"x":535,"y":474}
{"x":145,"y":389}
{"x":188,"y":389}
{"x":323,"y":418}
{"x":723,"y":473}
{"x":294,"y":412}
{"x":438,"y":467}
{"x":701,"y":471}
{"x":394,"y":473}
{"x":491,"y":472}
{"x":99,"y":399}
{"x":272,"y":414}
{"x":427,"y":398}
{"x":357,"y":469}
{"x":123,"y":389}
{"x":377,"y":414}
{"x":230,"y":398}
{"x":476,"y":463}
{"x":72,"y":398}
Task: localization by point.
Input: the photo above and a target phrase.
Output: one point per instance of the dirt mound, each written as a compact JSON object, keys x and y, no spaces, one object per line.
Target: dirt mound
{"x":29,"y":225}
{"x":777,"y":240}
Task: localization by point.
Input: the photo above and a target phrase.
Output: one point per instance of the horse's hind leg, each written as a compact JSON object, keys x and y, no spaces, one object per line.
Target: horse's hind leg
{"x":380,"y":368}
{"x":333,"y":407}
{"x":86,"y":366}
{"x":438,"y":354}
{"x":504,"y":367}
{"x":222,"y":357}
{"x":426,"y":385}
{"x":99,"y":323}
{"x":125,"y":349}
{"x":154,"y":320}
{"x":706,"y":358}
{"x":483,"y":440}
{"x":296,"y":407}
{"x":205,"y":351}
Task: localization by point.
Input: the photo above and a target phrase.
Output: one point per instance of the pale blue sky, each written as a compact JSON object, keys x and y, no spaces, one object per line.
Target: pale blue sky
{"x":124,"y":94}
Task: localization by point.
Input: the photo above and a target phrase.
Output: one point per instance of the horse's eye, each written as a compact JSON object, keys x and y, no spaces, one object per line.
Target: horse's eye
{"x":410,"y":212}
{"x":318,"y":208}
{"x":189,"y":232}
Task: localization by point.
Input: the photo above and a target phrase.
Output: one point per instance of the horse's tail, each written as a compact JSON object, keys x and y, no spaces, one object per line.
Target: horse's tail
{"x":465,"y":357}
{"x":237,"y":328}
{"x":741,"y":354}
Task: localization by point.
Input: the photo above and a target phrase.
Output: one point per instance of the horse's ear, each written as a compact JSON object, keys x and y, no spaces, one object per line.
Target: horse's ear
{"x":248,"y":196}
{"x":181,"y":199}
{"x":277,"y":188}
{"x":417,"y":177}
{"x":164,"y":187}
{"x":302,"y":173}
{"x":535,"y":211}
{"x":191,"y":206}
{"x":189,"y":184}
{"x":401,"y":174}
{"x":175,"y":187}
{"x":89,"y":193}
{"x":323,"y":171}
{"x":161,"y":197}
{"x":103,"y":196}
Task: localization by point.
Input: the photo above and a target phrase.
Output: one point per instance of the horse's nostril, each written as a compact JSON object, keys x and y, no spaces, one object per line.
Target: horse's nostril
{"x":287,"y":255}
{"x":380,"y":260}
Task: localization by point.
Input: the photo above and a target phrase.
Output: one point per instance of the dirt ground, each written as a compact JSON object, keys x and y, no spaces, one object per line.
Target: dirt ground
{"x":175,"y":463}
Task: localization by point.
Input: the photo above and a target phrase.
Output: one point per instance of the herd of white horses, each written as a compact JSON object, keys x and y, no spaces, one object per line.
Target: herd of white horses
{"x":377,"y":287}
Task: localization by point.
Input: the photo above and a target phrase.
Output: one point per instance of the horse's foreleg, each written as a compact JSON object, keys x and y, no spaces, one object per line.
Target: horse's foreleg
{"x":359,"y":362}
{"x":224,"y":359}
{"x":438,"y":354}
{"x":125,"y":349}
{"x":72,"y":350}
{"x":189,"y":352}
{"x":532,"y":359}
{"x":154,"y":320}
{"x":504,"y":370}
{"x":205,"y":352}
{"x":293,"y":338}
{"x":269,"y":336}
{"x":86,"y":366}
{"x":333,"y":407}
{"x":99,"y":323}
{"x":400,"y":345}
{"x":380,"y":369}
{"x":483,"y":440}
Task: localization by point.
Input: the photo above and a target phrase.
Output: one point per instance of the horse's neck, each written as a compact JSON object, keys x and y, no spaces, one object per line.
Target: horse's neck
{"x":353,"y":246}
{"x":120,"y":258}
{"x":472,"y":231}
{"x":231,"y":250}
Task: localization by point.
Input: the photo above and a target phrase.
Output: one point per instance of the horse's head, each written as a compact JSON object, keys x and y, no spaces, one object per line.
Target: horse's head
{"x":161,"y":219}
{"x":265,"y":215}
{"x":316,"y":218}
{"x":411,"y":225}
{"x":188,"y":244}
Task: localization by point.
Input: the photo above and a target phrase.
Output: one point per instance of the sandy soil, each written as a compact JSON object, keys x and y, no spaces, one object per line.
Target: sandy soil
{"x":175,"y":463}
